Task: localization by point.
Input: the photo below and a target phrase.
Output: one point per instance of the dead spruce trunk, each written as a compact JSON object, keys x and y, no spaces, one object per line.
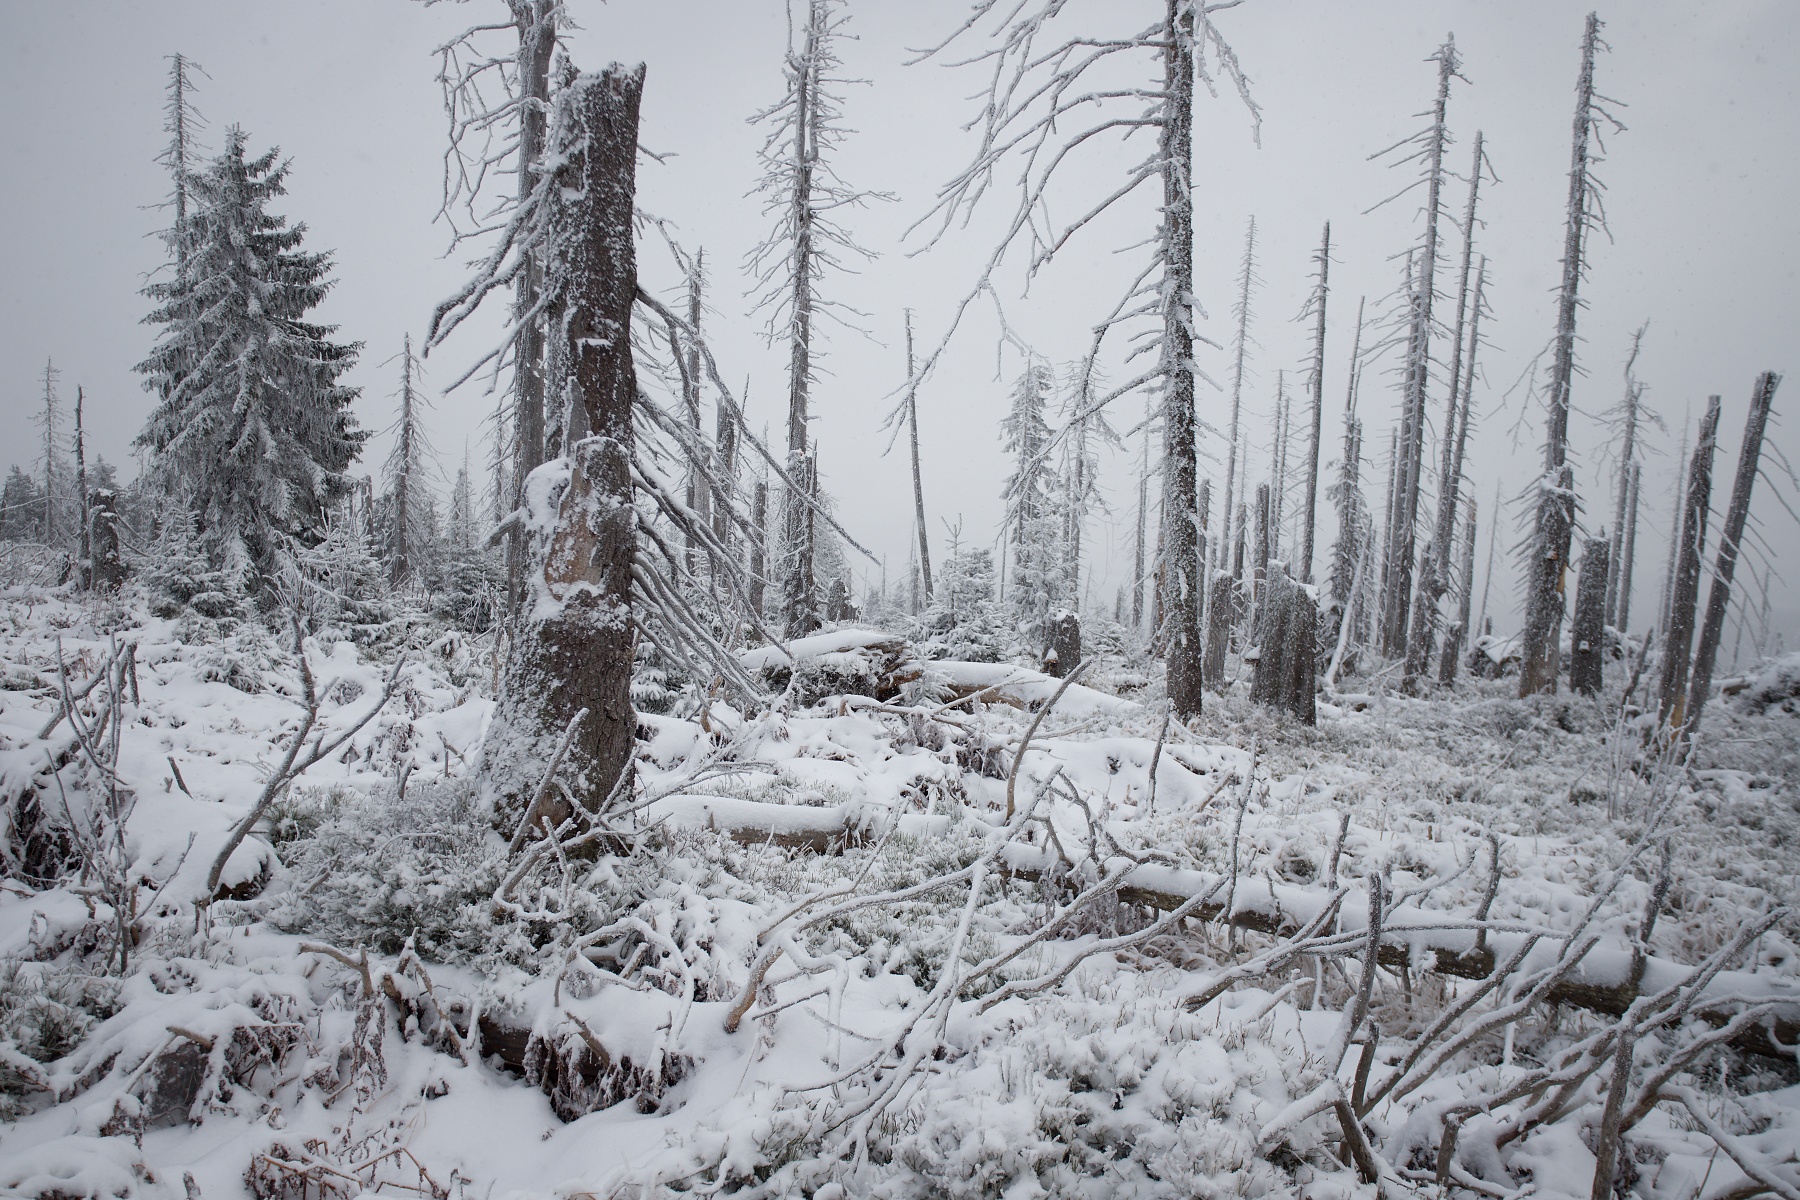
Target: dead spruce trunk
{"x":1587,"y":637}
{"x":1749,"y":458}
{"x":572,"y":649}
{"x":1180,"y":558}
{"x":1287,"y":661}
{"x":1684,"y":588}
{"x":1549,"y":555}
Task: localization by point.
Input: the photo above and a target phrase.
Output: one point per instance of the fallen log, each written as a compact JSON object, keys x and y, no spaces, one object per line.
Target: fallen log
{"x":1607,"y":980}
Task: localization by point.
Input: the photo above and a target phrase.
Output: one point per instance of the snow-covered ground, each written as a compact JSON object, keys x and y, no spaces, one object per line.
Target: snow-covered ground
{"x":847,"y":950}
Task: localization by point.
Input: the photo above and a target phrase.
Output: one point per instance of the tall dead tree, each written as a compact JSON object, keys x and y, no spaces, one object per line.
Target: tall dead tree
{"x":498,"y":105}
{"x":1622,"y":615}
{"x":569,"y":675}
{"x":1684,"y":591}
{"x":1434,"y":580}
{"x":1465,"y":595}
{"x":806,"y":198}
{"x":1427,"y":148}
{"x":912,"y":433}
{"x":1628,"y":428}
{"x":1719,"y":598}
{"x":1347,"y":492}
{"x":51,"y":421}
{"x":699,"y":495}
{"x":1041,"y":107}
{"x":84,"y":553}
{"x":1674,"y":556}
{"x":1240,"y":349}
{"x":409,"y":509}
{"x":1554,"y":518}
{"x":1315,"y":383}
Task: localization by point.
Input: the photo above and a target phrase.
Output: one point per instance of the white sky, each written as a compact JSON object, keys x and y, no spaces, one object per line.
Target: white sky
{"x":1701,"y":192}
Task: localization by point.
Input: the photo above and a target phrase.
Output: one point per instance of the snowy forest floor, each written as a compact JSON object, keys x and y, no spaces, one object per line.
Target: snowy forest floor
{"x":813,"y":956}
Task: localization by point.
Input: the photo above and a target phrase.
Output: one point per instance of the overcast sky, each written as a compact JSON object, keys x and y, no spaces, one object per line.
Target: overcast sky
{"x":1701,"y":190}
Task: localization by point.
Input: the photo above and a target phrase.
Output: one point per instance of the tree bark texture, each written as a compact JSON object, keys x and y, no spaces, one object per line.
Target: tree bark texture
{"x":912,"y":430}
{"x":1719,"y":598}
{"x":1684,"y":590}
{"x":573,"y":647}
{"x":1622,"y":615}
{"x":1587,"y":636}
{"x":1180,"y":558}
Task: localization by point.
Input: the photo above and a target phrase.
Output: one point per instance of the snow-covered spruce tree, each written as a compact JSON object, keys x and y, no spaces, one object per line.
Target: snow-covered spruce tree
{"x":806,"y":197}
{"x":1425,"y":147}
{"x":1346,"y":494}
{"x":1030,"y":493}
{"x":1042,"y":105}
{"x":251,"y":426}
{"x":1730,"y":539}
{"x":408,"y":541}
{"x":21,"y":507}
{"x":1553,"y":522}
{"x":963,"y":623}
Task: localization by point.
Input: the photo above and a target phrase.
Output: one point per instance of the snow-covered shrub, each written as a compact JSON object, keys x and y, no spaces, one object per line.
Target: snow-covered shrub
{"x":379,"y":868}
{"x":1774,"y":690}
{"x":46,"y":1011}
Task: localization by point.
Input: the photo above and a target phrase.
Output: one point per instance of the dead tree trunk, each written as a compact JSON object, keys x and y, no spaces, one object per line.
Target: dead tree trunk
{"x":1587,"y":637}
{"x":1685,"y":589}
{"x":1140,"y":566}
{"x":573,"y":649}
{"x":1627,"y":462}
{"x":1555,"y":520}
{"x":1286,"y":637}
{"x":1221,"y":614}
{"x":535,"y":21}
{"x":759,"y":549}
{"x":1622,"y":616}
{"x":1239,"y":349}
{"x":1180,"y":562}
{"x":1719,"y":598}
{"x":1459,"y":633}
{"x":912,"y":429}
{"x":1317,"y":385}
{"x":1674,"y":557}
{"x":106,"y":569}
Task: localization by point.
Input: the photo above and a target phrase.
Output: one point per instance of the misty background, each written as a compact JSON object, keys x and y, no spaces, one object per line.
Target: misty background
{"x":1700,"y":189}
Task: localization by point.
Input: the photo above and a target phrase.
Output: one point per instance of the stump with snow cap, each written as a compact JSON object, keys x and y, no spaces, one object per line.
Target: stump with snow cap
{"x":1065,"y":644}
{"x":1587,"y":637}
{"x":1287,"y":636}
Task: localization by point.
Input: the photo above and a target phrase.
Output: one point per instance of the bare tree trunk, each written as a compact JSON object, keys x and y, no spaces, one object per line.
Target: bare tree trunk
{"x":1459,"y":633}
{"x":573,"y":649}
{"x":1587,"y":637}
{"x":1317,"y":383}
{"x":1627,"y":460}
{"x":1181,"y":566}
{"x":85,"y":569}
{"x":1239,"y":348}
{"x":1140,"y":566}
{"x":1278,"y":472}
{"x":535,"y":21}
{"x":1487,"y":575}
{"x":759,"y":543}
{"x":1622,"y":617}
{"x":1717,"y":600}
{"x":400,"y":561}
{"x":1674,"y":556}
{"x":1672,"y":698}
{"x":1435,"y":580}
{"x":699,"y":498}
{"x":1259,"y":561}
{"x":50,"y":374}
{"x":1345,"y":552}
{"x":799,"y":599}
{"x":1555,"y":521}
{"x":912,"y":428}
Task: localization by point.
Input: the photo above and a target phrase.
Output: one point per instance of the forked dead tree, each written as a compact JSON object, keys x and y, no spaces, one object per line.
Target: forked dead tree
{"x":1749,"y":461}
{"x":1684,"y":590}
